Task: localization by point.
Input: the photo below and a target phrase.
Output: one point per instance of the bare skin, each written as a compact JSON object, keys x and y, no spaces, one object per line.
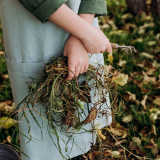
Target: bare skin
{"x":84,"y":38}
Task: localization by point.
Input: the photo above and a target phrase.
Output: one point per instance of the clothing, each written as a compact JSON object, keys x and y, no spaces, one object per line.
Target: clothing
{"x":29,"y":45}
{"x":43,"y":9}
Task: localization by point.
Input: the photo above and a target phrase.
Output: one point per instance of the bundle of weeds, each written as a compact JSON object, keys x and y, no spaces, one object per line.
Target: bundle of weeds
{"x":66,"y":99}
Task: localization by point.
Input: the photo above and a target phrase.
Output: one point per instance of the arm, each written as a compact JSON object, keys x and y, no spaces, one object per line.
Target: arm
{"x":92,"y":38}
{"x":78,"y":59}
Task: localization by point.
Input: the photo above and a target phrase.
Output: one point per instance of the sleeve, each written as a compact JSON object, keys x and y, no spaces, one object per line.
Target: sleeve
{"x":42,"y":9}
{"x":97,"y":7}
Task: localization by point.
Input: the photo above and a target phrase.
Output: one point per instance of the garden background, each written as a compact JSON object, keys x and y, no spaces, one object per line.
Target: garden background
{"x":135,"y":131}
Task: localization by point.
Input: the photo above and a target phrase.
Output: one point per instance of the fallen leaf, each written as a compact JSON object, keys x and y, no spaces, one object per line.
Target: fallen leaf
{"x":110,"y":57}
{"x":149,"y":145}
{"x":9,"y":139}
{"x":100,"y":134}
{"x":143,"y":102}
{"x":118,"y":131}
{"x":129,"y":96}
{"x":7,"y":123}
{"x":121,"y":79}
{"x":92,"y":115}
{"x":5,"y":108}
{"x":153,"y":129}
{"x":116,"y":154}
{"x":1,"y":53}
{"x":92,"y":155}
{"x":137,"y":140}
{"x":153,"y":117}
{"x":157,"y":101}
{"x":107,"y":152}
{"x":144,"y":54}
{"x":156,"y":149}
{"x":122,"y":62}
{"x":152,"y":43}
{"x":127,"y":119}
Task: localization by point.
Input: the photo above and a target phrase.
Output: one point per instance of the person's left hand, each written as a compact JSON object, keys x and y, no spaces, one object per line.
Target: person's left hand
{"x":78,"y":58}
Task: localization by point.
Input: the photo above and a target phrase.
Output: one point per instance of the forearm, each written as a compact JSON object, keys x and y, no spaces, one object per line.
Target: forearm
{"x":87,"y":17}
{"x":68,"y":20}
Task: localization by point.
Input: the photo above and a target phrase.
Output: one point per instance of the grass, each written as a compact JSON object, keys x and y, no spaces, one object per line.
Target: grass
{"x":125,"y":29}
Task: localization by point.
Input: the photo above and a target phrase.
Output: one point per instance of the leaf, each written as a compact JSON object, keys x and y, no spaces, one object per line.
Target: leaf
{"x":100,"y":134}
{"x":107,"y":152}
{"x":122,"y":63}
{"x":147,"y":55}
{"x":127,"y":119}
{"x":110,"y":57}
{"x":121,"y":79}
{"x":157,"y":101}
{"x":153,"y":117}
{"x":7,"y":123}
{"x":5,"y":108}
{"x":156,"y":149}
{"x":118,"y":131}
{"x":9,"y":139}
{"x":129,"y":97}
{"x":149,"y":145}
{"x":152,"y":43}
{"x":137,"y":140}
{"x":116,"y":154}
{"x":143,"y":102}
{"x":92,"y":155}
{"x":92,"y":115}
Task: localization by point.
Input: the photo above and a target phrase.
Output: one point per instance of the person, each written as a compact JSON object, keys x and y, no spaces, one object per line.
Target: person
{"x":36,"y":30}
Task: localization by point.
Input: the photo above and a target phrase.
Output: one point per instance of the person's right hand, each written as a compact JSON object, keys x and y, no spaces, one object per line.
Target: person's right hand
{"x":95,"y":41}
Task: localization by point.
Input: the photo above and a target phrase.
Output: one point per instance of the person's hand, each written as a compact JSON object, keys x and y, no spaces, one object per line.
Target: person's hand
{"x":78,"y":58}
{"x":95,"y":41}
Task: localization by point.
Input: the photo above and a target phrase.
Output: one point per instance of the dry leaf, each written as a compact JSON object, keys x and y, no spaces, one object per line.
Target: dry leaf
{"x":149,"y":145}
{"x":5,"y":108}
{"x":122,"y":62}
{"x":92,"y":115}
{"x":1,"y":53}
{"x":110,"y":57}
{"x":118,"y":131}
{"x":100,"y":134}
{"x":121,"y":79}
{"x":92,"y":155}
{"x":143,"y":102}
{"x":137,"y":140}
{"x":116,"y":154}
{"x":147,"y":55}
{"x":157,"y":101}
{"x":153,"y":129}
{"x":129,"y":97}
{"x":107,"y":152}
{"x":156,"y":149}
{"x":153,"y":117}
{"x":9,"y":139}
{"x":127,"y":119}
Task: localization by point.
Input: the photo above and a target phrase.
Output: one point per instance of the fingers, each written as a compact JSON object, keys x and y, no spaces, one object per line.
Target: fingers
{"x":70,"y":72}
{"x":109,"y":47}
{"x":75,"y":71}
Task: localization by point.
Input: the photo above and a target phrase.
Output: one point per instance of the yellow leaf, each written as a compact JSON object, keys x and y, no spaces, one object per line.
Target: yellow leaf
{"x":100,"y":134}
{"x":121,"y":79}
{"x":110,"y":57}
{"x":7,"y":123}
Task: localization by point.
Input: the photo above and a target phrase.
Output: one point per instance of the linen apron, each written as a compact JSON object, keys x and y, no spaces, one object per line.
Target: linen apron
{"x":29,"y":45}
